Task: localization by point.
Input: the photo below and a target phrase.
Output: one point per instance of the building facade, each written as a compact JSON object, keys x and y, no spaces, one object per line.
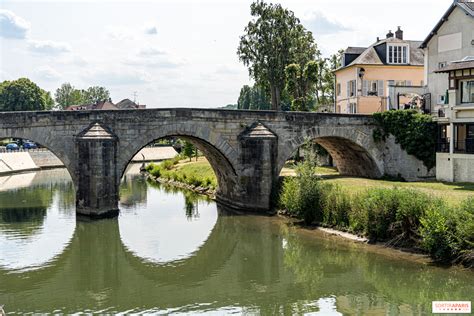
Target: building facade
{"x":449,"y":73}
{"x":365,"y":80}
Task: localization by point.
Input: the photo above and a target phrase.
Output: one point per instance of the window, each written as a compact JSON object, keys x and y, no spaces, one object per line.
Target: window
{"x":338,"y":89}
{"x":352,"y":108}
{"x":442,"y":64}
{"x":398,"y":54}
{"x":467,"y":91}
{"x":351,"y":88}
{"x":372,"y":88}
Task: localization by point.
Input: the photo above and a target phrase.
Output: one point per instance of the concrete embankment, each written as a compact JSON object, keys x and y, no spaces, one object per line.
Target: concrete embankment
{"x":12,"y":162}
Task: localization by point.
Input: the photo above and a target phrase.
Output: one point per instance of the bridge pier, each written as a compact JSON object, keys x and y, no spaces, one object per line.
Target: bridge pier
{"x":96,"y":175}
{"x":258,"y":168}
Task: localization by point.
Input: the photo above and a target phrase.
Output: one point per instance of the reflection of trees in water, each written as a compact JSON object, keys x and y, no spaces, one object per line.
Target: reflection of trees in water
{"x":27,"y":220}
{"x":23,"y":210}
{"x":372,"y":280}
{"x":191,"y":199}
{"x":133,"y":190}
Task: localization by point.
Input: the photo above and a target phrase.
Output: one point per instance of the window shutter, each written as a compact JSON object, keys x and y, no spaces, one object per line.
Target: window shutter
{"x":380,"y":88}
{"x":365,"y":87}
{"x":349,"y":89}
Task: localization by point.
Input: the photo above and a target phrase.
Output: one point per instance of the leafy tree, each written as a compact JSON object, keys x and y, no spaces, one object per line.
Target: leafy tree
{"x":96,"y":94}
{"x":48,"y":100}
{"x":272,"y":40}
{"x":188,"y":150}
{"x":325,"y":86}
{"x":301,"y":83}
{"x":21,"y":95}
{"x":67,"y":95}
{"x":253,"y":98}
{"x":243,"y":103}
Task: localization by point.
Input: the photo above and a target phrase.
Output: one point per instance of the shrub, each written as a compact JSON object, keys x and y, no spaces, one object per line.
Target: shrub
{"x":335,"y":206}
{"x":436,"y":232}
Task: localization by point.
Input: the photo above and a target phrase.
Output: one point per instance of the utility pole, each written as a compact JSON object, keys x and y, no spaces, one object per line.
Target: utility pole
{"x":135,"y":97}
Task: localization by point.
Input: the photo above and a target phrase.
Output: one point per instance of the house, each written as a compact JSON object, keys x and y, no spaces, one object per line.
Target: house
{"x":107,"y":105}
{"x":364,"y":81}
{"x":449,"y":73}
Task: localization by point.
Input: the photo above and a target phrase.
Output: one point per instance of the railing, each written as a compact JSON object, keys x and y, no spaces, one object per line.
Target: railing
{"x":464,"y":146}
{"x":4,"y":150}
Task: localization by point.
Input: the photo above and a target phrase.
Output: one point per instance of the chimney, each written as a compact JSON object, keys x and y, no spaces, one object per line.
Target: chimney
{"x":399,"y":33}
{"x":378,"y":39}
{"x":389,"y":34}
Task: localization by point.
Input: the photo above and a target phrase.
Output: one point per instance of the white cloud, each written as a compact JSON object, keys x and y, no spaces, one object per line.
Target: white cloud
{"x":150,"y":51}
{"x":48,"y":47}
{"x":116,"y":77}
{"x":13,"y":26}
{"x":118,"y":33}
{"x":151,"y":30}
{"x":227,"y":70}
{"x":319,"y":24}
{"x":48,"y":73}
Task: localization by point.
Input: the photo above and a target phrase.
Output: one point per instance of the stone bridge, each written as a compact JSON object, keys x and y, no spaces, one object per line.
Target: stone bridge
{"x":247,"y":149}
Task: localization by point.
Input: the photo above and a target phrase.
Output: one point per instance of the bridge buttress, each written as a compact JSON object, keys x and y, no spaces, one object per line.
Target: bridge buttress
{"x":257,"y":169}
{"x":96,"y":173}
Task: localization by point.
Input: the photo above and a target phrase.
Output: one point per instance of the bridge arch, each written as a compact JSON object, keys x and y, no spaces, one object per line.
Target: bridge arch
{"x":221,"y":156}
{"x":354,"y":152}
{"x":53,"y":143}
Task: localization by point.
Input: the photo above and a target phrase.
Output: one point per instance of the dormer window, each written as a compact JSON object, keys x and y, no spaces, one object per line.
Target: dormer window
{"x":398,"y":54}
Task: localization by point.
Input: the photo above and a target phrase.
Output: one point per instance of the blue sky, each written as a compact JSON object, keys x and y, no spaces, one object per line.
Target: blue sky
{"x":176,"y":53}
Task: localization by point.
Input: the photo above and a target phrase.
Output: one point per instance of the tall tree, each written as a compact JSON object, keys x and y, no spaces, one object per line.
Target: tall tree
{"x":301,"y":84}
{"x":96,"y":94}
{"x":48,"y":100}
{"x":67,"y":95}
{"x":253,"y":98}
{"x":272,"y":40}
{"x":21,"y":95}
{"x":243,"y":103}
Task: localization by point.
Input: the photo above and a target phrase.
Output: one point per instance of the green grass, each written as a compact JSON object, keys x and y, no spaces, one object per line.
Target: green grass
{"x":197,"y":173}
{"x":451,"y":193}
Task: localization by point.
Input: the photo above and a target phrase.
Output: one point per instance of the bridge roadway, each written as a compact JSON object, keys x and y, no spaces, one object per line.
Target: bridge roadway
{"x":246,"y":149}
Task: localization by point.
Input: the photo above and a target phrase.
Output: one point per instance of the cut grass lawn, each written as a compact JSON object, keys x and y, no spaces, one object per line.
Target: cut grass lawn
{"x":453,"y":193}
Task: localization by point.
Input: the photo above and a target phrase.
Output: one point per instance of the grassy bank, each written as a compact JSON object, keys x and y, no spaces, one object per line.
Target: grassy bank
{"x":398,"y":216}
{"x":194,"y":173}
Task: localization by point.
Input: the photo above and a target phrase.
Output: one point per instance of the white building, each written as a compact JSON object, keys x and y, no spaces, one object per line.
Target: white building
{"x":449,"y":74}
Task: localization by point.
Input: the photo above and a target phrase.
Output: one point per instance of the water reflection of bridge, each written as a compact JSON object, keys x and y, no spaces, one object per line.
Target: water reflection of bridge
{"x":96,"y":265}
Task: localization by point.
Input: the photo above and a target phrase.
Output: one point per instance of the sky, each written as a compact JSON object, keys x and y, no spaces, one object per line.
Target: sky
{"x":176,"y":53}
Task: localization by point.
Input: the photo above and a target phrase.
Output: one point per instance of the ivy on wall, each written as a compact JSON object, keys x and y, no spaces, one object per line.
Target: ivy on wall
{"x":415,"y":132}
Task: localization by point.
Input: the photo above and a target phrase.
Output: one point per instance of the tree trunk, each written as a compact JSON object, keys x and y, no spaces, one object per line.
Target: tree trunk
{"x":273,"y":91}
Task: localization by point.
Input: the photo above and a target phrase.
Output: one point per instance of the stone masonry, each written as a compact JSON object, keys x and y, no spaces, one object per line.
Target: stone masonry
{"x":247,"y":149}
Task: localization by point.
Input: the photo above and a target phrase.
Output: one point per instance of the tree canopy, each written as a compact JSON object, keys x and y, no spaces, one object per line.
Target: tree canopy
{"x":23,"y":95}
{"x":253,"y":98}
{"x":273,"y":39}
{"x":67,"y":95}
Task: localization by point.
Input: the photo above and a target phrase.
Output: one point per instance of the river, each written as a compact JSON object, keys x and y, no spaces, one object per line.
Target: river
{"x":174,"y":252}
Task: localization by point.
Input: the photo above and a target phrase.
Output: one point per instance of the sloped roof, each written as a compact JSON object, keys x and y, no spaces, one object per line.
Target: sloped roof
{"x":355,"y":50}
{"x":369,"y":56}
{"x":127,"y":104}
{"x":466,"y":6}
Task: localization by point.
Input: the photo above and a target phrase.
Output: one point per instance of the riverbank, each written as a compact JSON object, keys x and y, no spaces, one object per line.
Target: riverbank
{"x":196,"y":175}
{"x":413,"y":217}
{"x":38,"y":159}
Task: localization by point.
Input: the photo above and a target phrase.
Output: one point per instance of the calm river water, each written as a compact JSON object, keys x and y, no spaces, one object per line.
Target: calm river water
{"x":172,"y":252}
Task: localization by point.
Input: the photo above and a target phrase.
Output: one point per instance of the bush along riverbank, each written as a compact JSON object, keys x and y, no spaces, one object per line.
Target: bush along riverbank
{"x":398,"y":217}
{"x":196,"y":176}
